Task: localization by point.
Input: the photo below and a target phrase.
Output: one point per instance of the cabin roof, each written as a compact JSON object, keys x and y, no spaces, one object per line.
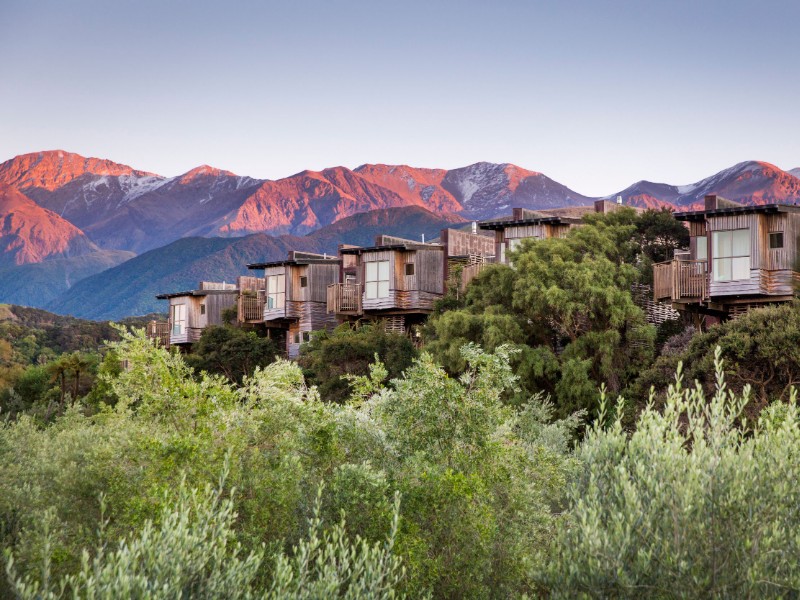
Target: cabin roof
{"x":411,"y":246}
{"x":701,"y":215}
{"x":334,"y":260}
{"x":549,"y":220}
{"x":195,"y":293}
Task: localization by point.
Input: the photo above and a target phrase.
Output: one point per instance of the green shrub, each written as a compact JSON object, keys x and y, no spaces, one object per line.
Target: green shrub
{"x":688,"y":505}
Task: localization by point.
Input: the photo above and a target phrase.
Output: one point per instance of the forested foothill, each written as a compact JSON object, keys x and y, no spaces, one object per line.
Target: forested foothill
{"x":543,"y":440}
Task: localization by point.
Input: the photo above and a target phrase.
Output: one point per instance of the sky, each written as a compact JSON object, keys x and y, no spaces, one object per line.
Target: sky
{"x":596,"y":95}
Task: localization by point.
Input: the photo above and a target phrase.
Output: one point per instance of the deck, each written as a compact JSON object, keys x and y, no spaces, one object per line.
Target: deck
{"x":680,"y":280}
{"x":251,"y":307}
{"x":159,"y":332}
{"x":345,"y":299}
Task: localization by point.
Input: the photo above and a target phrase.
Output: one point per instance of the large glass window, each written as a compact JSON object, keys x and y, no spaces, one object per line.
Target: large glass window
{"x":276,"y":291}
{"x":178,"y":319}
{"x":731,"y":253}
{"x":376,"y":281}
{"x":701,"y":251}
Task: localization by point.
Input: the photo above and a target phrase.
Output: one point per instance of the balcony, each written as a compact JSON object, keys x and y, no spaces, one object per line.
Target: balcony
{"x":345,"y":298}
{"x":680,"y":280}
{"x":159,"y":332}
{"x":251,"y":307}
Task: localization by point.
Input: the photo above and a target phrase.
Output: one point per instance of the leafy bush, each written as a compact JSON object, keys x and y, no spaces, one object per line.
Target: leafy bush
{"x":330,"y":356}
{"x":230,"y":351}
{"x":567,"y":308}
{"x":479,"y":480}
{"x":760,"y":349}
{"x":688,"y":505}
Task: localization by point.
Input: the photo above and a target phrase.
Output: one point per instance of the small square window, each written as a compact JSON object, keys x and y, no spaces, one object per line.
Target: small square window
{"x":409,"y":268}
{"x":306,"y":336}
{"x":776,"y":240}
{"x":303,"y":281}
{"x":297,"y":338}
{"x":202,"y":309}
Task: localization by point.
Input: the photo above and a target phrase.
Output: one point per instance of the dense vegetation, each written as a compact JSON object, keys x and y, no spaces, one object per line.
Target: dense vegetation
{"x":490,"y":465}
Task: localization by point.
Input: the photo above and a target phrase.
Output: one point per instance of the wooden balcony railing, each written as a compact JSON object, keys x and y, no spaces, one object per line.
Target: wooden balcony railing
{"x":680,"y":280}
{"x":158,"y":331}
{"x":344,"y":298}
{"x":251,"y":308}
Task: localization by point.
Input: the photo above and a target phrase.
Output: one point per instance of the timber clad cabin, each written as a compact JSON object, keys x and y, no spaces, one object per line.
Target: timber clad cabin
{"x":293,"y":297}
{"x":739,"y":257}
{"x":466,"y":255}
{"x":397,"y":279}
{"x":192,"y":311}
{"x":540,"y":224}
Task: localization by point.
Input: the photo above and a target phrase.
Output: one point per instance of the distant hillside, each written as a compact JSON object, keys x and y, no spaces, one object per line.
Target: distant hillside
{"x":130,"y":288}
{"x":38,"y":284}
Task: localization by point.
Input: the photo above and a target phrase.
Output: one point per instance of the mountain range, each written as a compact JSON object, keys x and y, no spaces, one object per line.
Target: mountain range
{"x":66,"y":217}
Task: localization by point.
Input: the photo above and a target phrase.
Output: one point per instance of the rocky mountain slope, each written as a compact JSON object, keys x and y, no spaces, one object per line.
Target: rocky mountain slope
{"x":749,"y":182}
{"x":32,"y":234}
{"x":121,"y":208}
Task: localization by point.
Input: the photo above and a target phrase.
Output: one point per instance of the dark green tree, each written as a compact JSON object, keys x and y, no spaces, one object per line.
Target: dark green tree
{"x":329,"y":356}
{"x":231,"y":352}
{"x":567,"y":307}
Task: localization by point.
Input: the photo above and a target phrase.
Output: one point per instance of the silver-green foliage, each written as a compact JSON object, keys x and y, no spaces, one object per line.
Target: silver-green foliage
{"x":691,"y":504}
{"x":193,"y":553}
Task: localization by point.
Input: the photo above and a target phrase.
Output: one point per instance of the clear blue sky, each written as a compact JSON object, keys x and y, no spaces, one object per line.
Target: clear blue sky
{"x":594,"y":94}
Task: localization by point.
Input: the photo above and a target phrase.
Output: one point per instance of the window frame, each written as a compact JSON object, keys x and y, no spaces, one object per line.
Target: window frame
{"x":276,"y":299}
{"x":776,"y":235}
{"x":729,"y":262}
{"x":303,"y":281}
{"x":178,"y":316}
{"x":698,"y":245}
{"x":407,"y":269}
{"x":377,"y":285}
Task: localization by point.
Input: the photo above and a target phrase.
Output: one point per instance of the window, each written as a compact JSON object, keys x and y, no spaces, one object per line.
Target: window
{"x":377,"y":279}
{"x":178,"y":319}
{"x":202,"y":309}
{"x":731,"y":253}
{"x":701,"y":249}
{"x":276,"y":291}
{"x":409,"y":268}
{"x":297,"y":338}
{"x":776,"y":240}
{"x":306,"y":336}
{"x":303,"y":281}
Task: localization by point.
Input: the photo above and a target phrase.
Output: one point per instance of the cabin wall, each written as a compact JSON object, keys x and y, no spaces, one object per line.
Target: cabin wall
{"x":319,"y":278}
{"x":193,"y":319}
{"x":294,"y":292}
{"x":407,"y":292}
{"x":215,"y":304}
{"x":429,"y":271}
{"x":380,"y":303}
{"x":751,"y":285}
{"x":771,"y":270}
{"x":462,"y":243}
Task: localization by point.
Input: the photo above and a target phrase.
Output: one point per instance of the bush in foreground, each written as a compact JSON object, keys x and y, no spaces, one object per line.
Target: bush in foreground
{"x":691,"y":504}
